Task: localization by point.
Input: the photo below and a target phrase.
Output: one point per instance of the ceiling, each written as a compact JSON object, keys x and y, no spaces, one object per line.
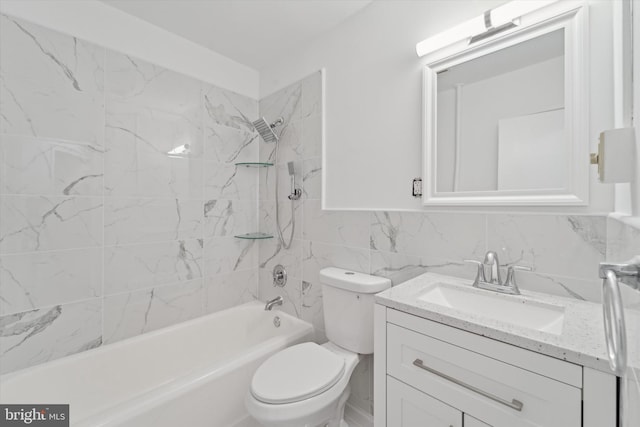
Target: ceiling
{"x":251,"y":32}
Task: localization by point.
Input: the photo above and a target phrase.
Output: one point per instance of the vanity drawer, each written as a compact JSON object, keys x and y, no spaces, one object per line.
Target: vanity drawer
{"x":499,"y":393}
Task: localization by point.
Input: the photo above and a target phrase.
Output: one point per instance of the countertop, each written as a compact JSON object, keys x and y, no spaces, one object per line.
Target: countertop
{"x":581,"y":341}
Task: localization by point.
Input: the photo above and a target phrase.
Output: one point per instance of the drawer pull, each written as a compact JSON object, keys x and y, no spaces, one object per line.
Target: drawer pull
{"x":514,"y":404}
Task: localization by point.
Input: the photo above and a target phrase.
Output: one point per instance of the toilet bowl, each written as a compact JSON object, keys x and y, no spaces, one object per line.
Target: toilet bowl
{"x":304,"y":385}
{"x":307,"y":385}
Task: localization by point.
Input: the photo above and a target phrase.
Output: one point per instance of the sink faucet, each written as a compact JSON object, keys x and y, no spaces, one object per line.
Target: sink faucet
{"x":491,"y":268}
{"x":276,"y":301}
{"x":488,"y":276}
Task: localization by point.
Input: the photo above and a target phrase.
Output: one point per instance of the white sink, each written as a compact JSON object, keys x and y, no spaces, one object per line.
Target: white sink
{"x":517,"y":310}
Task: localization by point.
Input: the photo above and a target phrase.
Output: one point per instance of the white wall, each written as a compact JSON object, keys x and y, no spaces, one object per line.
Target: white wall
{"x":635,"y":199}
{"x":374,"y":90}
{"x":106,"y":26}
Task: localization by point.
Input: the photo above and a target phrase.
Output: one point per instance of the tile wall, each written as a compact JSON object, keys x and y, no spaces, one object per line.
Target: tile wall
{"x":119,"y":196}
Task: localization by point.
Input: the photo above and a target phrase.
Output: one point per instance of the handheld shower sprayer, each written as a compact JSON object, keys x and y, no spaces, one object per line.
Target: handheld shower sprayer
{"x":296,"y":193}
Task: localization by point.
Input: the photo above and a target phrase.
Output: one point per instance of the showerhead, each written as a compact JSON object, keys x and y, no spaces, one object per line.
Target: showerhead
{"x":291,"y":168}
{"x":266,"y":130}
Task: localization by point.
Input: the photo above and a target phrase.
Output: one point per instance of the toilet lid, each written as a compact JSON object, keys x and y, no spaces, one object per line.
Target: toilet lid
{"x":296,"y":373}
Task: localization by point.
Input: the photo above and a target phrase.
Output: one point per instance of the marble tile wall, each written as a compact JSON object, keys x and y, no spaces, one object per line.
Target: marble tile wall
{"x":563,"y":250}
{"x":119,"y":196}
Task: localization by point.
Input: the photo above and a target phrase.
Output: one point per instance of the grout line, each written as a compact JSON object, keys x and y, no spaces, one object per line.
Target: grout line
{"x":104,"y":169}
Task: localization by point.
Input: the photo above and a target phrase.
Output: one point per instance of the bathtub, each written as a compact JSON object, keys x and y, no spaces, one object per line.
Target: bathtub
{"x":192,"y":374}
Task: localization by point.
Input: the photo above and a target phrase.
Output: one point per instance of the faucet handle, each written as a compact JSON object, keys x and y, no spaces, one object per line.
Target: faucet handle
{"x":510,"y":281}
{"x":480,"y":274}
{"x":520,"y":267}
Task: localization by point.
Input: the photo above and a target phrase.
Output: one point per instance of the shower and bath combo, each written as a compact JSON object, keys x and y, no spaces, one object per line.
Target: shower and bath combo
{"x":268,"y":135}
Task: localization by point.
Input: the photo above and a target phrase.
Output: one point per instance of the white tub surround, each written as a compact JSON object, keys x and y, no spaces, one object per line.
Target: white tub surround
{"x":581,"y":340}
{"x":195,"y":373}
{"x":119,"y":196}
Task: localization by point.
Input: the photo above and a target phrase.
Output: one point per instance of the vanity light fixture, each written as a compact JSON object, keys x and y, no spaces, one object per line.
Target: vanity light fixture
{"x":491,"y":22}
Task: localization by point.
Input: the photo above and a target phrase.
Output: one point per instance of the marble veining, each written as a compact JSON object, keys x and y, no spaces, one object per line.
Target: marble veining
{"x":42,"y":166}
{"x":229,"y":145}
{"x":143,"y":220}
{"x":51,"y":85}
{"x":312,"y":178}
{"x":118,"y":192}
{"x":567,"y":245}
{"x":590,"y":231}
{"x":61,"y":65}
{"x":227,"y":181}
{"x":311,"y":308}
{"x":138,"y":312}
{"x":40,"y":335}
{"x":285,"y":103}
{"x":451,"y":236}
{"x":227,"y":254}
{"x":139,"y":266}
{"x":229,"y":109}
{"x":41,"y":279}
{"x":141,"y":85}
{"x":45,"y":223}
{"x":224,"y":217}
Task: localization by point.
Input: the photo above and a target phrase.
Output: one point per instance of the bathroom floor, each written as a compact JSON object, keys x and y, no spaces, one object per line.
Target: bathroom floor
{"x":250,"y":422}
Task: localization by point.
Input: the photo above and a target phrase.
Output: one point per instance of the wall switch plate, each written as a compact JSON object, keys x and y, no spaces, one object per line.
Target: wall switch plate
{"x":616,"y":155}
{"x":416,"y":187}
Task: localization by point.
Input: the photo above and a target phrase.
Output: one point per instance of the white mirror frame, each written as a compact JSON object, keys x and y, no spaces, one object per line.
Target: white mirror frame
{"x":571,"y":16}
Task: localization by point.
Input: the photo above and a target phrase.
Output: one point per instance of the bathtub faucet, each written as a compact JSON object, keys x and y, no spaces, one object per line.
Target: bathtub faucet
{"x":276,"y":301}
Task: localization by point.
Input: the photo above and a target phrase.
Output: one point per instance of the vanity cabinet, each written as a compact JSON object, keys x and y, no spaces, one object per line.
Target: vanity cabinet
{"x":430,"y":374}
{"x":408,"y":407}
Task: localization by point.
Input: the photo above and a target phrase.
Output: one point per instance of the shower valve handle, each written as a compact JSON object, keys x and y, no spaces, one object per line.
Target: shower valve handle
{"x":296,"y":193}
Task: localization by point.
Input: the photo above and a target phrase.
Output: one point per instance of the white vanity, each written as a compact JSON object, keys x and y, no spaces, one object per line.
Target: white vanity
{"x":451,"y":355}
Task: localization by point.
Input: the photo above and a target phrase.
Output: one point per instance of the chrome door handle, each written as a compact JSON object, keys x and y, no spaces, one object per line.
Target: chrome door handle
{"x":514,"y":404}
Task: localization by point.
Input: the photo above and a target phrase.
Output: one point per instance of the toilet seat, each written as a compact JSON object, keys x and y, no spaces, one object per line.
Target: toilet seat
{"x":297,"y":373}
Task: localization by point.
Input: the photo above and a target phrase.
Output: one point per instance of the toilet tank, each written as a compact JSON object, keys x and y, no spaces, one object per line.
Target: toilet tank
{"x":347,"y":299}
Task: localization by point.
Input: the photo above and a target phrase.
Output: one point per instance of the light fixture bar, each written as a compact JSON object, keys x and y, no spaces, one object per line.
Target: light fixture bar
{"x":492,"y":31}
{"x":481,"y":27}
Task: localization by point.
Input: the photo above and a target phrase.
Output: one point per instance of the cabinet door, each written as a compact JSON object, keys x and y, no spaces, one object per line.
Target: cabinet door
{"x":469,"y":421}
{"x":408,"y":407}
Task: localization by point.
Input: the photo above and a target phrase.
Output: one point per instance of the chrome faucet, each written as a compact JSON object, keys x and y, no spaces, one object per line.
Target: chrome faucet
{"x":488,"y":276}
{"x":491,"y":268}
{"x":276,"y":301}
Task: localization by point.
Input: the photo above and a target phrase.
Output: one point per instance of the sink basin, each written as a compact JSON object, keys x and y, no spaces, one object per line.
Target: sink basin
{"x":512,"y":309}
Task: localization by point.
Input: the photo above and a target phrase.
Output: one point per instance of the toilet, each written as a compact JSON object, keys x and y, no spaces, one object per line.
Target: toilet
{"x":307,"y":385}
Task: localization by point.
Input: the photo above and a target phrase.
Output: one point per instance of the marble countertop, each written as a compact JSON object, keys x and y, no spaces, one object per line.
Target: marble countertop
{"x":581,"y":341}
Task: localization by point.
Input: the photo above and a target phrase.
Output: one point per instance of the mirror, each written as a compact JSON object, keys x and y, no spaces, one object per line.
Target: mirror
{"x":504,"y":122}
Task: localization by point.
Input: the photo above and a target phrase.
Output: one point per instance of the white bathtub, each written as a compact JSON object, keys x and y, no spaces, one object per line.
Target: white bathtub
{"x":193,"y":374}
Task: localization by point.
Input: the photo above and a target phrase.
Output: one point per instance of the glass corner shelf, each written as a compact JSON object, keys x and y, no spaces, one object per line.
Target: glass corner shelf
{"x":254,"y":236}
{"x":254,"y":164}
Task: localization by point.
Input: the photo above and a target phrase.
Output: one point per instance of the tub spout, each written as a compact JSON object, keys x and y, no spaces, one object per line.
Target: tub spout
{"x":276,"y":301}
